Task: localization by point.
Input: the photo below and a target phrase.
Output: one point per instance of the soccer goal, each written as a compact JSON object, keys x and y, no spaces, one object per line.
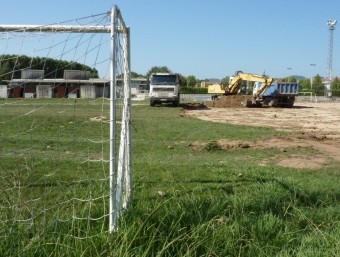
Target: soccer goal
{"x":65,"y":118}
{"x":311,"y":96}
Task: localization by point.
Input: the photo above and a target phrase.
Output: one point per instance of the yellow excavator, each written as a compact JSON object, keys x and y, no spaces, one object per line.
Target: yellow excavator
{"x":282,"y":94}
{"x":236,"y":82}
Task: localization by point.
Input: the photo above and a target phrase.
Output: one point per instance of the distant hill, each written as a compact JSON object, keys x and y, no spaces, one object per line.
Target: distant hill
{"x":213,"y":80}
{"x":298,"y":77}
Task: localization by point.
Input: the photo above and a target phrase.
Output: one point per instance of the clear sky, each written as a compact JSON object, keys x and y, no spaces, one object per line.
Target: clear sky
{"x":209,"y":38}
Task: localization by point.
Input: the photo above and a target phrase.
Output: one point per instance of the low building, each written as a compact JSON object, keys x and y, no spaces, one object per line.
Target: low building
{"x":58,"y":88}
{"x":3,"y":91}
{"x":137,"y":85}
{"x":74,"y":84}
{"x":209,"y":82}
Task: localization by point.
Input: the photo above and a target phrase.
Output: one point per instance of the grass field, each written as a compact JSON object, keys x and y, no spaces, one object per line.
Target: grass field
{"x":186,"y":201}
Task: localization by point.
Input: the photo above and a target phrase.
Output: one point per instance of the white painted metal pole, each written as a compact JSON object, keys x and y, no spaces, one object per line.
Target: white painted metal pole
{"x":123,"y":167}
{"x":128,"y":173}
{"x":112,"y":220}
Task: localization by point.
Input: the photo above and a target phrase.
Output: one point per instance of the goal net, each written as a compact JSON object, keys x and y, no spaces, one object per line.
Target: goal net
{"x":65,"y":128}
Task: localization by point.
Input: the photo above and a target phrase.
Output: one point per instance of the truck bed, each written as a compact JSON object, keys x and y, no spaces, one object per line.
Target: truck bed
{"x":283,"y":89}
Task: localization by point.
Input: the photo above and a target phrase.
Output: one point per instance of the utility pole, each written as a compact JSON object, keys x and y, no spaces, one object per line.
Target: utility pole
{"x":331,"y":27}
{"x":311,"y":79}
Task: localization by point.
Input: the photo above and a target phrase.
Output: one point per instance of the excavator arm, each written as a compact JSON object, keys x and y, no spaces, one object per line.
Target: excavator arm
{"x":236,"y":82}
{"x":264,"y":86}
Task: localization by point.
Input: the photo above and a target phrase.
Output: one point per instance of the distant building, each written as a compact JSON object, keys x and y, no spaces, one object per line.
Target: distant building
{"x":74,"y":84}
{"x":209,"y":82}
{"x":137,"y":85}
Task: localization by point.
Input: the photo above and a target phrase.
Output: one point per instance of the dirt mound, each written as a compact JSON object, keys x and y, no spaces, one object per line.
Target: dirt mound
{"x":228,"y":101}
{"x":194,"y":106}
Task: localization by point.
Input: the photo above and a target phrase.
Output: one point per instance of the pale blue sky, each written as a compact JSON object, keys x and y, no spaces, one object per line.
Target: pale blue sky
{"x":209,"y":38}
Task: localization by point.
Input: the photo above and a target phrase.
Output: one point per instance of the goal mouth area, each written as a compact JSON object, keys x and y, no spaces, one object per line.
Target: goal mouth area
{"x":65,"y":119}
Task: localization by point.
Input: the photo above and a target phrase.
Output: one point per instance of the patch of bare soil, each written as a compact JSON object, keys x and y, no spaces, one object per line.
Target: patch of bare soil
{"x":317,"y":124}
{"x":228,"y":101}
{"x":303,"y":162}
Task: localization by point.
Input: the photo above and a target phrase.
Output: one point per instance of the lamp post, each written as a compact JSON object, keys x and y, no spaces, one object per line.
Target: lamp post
{"x":311,"y":79}
{"x":331,"y":27}
{"x":288,"y":77}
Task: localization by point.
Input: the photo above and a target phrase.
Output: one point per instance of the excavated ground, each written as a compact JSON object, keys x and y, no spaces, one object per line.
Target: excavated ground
{"x":228,"y":101}
{"x":309,"y":124}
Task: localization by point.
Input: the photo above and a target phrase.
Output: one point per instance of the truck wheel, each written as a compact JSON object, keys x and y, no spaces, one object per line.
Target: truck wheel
{"x":175,"y":103}
{"x":290,"y":104}
{"x":152,"y":103}
{"x":273,"y":103}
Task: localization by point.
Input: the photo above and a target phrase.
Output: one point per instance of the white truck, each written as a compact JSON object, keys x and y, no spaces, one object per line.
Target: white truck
{"x":164,"y":88}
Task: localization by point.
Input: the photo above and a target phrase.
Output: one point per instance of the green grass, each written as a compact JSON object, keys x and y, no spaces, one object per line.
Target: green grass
{"x":186,"y":202}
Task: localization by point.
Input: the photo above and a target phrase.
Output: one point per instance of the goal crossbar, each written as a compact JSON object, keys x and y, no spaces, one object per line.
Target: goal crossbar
{"x":68,"y":28}
{"x":56,"y":28}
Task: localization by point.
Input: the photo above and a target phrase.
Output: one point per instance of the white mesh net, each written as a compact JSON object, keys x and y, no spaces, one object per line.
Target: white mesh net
{"x":61,"y":99}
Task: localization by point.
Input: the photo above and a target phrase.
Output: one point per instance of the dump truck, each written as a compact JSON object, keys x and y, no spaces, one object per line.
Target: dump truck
{"x":164,"y":88}
{"x":277,"y":94}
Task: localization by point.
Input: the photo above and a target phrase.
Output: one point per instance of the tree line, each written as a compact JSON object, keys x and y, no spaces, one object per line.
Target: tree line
{"x":316,"y":86}
{"x":11,"y":66}
{"x":190,"y":84}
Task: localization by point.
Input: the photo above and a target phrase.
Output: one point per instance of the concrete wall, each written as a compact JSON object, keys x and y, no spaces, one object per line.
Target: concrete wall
{"x":44,"y":91}
{"x":87,"y":91}
{"x":3,"y":91}
{"x":32,"y":74}
{"x":103,"y":92}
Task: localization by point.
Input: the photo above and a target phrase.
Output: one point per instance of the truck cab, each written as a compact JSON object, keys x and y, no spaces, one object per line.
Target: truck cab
{"x":164,"y":88}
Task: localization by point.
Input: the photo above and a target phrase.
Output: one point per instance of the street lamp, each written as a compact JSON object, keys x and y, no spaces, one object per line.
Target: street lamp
{"x":311,"y":79}
{"x":288,"y":68}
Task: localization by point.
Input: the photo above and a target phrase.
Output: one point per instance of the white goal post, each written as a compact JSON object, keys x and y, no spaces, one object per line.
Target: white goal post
{"x":119,"y":157}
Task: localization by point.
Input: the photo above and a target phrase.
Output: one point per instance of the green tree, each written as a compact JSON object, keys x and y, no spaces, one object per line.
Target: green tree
{"x":335,"y":87}
{"x":11,"y":65}
{"x":317,"y":85}
{"x":191,"y":81}
{"x":158,"y":69}
{"x":317,"y":81}
{"x":305,"y":85}
{"x":182,"y":80}
{"x":290,"y":79}
{"x":136,"y":75}
{"x":225,"y":81}
{"x":5,"y":71}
